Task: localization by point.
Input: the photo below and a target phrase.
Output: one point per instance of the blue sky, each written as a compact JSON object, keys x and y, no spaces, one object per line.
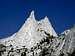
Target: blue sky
{"x":13,"y":13}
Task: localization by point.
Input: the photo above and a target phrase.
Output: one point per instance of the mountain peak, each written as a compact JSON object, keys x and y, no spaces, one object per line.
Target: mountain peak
{"x":32,"y":16}
{"x":30,"y":21}
{"x":28,"y":34}
{"x":46,"y":19}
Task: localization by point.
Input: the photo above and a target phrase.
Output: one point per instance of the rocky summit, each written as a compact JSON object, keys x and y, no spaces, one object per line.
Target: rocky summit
{"x":38,"y":38}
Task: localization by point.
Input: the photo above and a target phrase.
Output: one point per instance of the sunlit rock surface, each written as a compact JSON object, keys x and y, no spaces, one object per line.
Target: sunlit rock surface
{"x":38,"y":38}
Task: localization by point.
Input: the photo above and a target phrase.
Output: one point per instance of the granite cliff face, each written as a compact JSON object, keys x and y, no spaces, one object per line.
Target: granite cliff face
{"x":38,"y":38}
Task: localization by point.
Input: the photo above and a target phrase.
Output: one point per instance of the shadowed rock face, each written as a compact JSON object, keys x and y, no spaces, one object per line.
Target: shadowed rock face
{"x":38,"y":38}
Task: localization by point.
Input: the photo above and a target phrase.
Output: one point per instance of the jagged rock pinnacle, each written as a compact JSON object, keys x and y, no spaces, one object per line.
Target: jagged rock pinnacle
{"x":46,"y":19}
{"x":30,"y":21}
{"x":32,"y":16}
